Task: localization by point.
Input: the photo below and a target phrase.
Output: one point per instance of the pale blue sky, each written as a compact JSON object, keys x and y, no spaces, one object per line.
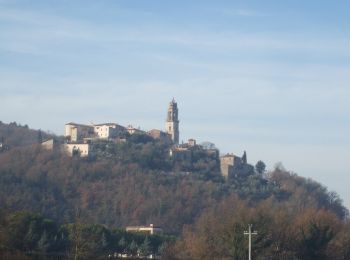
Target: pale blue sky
{"x":269,"y":77}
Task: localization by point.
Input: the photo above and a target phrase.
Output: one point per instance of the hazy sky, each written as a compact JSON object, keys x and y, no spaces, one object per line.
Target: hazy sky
{"x":269,"y":77}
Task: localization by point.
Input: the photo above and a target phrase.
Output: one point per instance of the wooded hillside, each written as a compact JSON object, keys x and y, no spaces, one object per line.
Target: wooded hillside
{"x":136,"y":183}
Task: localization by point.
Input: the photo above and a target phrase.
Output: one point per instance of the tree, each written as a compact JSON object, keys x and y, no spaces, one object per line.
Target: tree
{"x":339,"y":248}
{"x":78,"y":243}
{"x":44,"y":243}
{"x":145,"y":248}
{"x":104,"y":241}
{"x":23,"y":230}
{"x":162,"y":248}
{"x":40,"y":137}
{"x":122,"y":245}
{"x":133,"y":247}
{"x":260,"y":167}
{"x":315,"y":234}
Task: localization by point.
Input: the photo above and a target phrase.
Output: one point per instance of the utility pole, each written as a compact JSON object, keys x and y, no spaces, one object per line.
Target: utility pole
{"x":250,"y":233}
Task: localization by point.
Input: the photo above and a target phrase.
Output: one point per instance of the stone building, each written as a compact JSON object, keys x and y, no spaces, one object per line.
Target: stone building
{"x":187,"y":152}
{"x":158,"y":134}
{"x":227,"y":163}
{"x":231,"y":165}
{"x":172,"y":122}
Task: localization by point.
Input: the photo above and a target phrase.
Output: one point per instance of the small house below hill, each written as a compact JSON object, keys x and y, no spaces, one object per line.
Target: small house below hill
{"x":151,"y":229}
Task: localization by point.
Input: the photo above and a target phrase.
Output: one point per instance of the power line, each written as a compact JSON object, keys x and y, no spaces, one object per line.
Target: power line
{"x":250,"y":233}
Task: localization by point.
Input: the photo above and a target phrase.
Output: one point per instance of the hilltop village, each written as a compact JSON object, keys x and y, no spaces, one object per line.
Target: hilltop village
{"x":80,"y":141}
{"x":133,"y":194}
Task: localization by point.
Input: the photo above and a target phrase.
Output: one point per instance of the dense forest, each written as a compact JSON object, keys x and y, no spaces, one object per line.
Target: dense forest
{"x":54,"y":205}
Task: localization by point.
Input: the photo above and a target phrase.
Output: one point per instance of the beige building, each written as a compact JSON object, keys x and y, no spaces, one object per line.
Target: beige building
{"x":82,"y":149}
{"x":151,"y":229}
{"x":77,"y":132}
{"x":108,"y":130}
{"x":172,"y":122}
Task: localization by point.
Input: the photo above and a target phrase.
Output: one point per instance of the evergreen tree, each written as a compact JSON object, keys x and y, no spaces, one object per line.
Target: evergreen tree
{"x":43,"y":243}
{"x":31,"y":236}
{"x":122,"y":245}
{"x":162,"y":248}
{"x":104,"y":240}
{"x":260,"y":167}
{"x":133,"y":247}
{"x":40,"y":137}
{"x":145,"y":248}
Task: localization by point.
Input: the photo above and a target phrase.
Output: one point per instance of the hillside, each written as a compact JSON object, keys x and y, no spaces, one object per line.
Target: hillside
{"x":136,"y":183}
{"x":15,"y":135}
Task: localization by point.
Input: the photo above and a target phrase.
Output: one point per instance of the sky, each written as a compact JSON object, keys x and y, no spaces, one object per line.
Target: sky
{"x":268,"y":77}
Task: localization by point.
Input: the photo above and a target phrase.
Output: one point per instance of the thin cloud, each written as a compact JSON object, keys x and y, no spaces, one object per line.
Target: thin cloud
{"x":242,"y":12}
{"x":37,"y":33}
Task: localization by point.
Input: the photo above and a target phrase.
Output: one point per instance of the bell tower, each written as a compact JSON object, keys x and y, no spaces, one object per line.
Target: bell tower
{"x":172,"y":122}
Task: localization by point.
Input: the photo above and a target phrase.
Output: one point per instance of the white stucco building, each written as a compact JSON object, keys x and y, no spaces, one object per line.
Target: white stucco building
{"x":108,"y":130}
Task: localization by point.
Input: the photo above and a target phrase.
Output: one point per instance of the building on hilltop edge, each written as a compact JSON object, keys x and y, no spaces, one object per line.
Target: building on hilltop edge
{"x":78,"y":132}
{"x":108,"y":130}
{"x":75,"y":132}
{"x":232,"y":165}
{"x":158,"y":134}
{"x":190,"y":153}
